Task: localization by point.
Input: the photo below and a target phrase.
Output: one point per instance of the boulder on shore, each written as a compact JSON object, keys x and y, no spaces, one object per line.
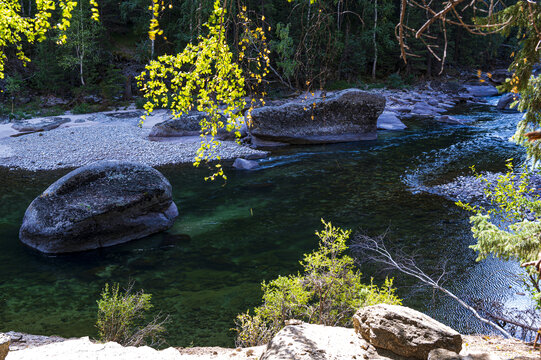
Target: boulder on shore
{"x":189,"y":125}
{"x":404,"y":331}
{"x":45,"y":124}
{"x":349,"y":115}
{"x":98,"y":205}
{"x":481,"y":90}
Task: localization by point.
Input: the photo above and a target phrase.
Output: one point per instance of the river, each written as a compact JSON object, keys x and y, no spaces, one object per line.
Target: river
{"x":230,"y":237}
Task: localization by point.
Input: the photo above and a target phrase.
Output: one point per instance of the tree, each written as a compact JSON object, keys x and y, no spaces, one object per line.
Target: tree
{"x":328,"y":291}
{"x":81,"y":43}
{"x":16,"y":30}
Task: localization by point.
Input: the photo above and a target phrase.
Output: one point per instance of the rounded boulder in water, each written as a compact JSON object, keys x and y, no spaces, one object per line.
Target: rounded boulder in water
{"x":102,"y":204}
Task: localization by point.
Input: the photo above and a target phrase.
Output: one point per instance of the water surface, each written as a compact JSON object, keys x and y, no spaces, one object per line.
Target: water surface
{"x":230,"y":237}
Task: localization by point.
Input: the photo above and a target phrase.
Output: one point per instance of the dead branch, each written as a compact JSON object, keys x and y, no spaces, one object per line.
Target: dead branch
{"x":375,"y":250}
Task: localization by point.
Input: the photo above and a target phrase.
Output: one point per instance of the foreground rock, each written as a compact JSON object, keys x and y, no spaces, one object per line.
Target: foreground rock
{"x":349,"y":115}
{"x":308,"y":341}
{"x":4,"y":345}
{"x":84,"y":349}
{"x":99,"y":205}
{"x":46,"y":124}
{"x":404,"y":331}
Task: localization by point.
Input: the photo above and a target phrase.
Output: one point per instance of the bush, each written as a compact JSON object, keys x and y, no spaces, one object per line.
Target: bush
{"x":395,"y":81}
{"x":82,"y":108}
{"x":328,"y":292}
{"x":121,"y":317}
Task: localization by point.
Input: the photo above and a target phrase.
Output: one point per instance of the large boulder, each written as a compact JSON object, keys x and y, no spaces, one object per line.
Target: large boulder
{"x":98,"y":205}
{"x":349,"y":115}
{"x":404,"y":331}
{"x":303,"y":341}
{"x":189,"y":125}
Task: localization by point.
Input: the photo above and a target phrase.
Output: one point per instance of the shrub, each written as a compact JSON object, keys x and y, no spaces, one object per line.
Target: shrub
{"x":82,"y":108}
{"x":121,"y":318}
{"x":395,"y":81}
{"x":329,"y":292}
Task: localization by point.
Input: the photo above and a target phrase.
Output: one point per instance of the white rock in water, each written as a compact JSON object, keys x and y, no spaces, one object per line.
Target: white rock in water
{"x":389,"y":121}
{"x":243,"y":164}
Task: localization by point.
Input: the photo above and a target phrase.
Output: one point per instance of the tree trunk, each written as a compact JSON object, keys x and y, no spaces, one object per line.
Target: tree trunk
{"x":375,"y":40}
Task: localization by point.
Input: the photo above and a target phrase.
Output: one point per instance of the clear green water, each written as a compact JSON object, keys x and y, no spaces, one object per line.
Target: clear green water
{"x":259,"y":224}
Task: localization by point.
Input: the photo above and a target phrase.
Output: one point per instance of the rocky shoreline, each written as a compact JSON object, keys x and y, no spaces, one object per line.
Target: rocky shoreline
{"x":384,"y":332}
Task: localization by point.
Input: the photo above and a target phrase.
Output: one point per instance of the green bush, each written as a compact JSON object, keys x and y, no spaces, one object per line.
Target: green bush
{"x":82,"y":108}
{"x":395,"y":81}
{"x":329,"y":292}
{"x":121,"y":318}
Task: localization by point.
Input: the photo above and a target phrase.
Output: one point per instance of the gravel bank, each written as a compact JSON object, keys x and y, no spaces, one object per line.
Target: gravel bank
{"x":70,"y":147}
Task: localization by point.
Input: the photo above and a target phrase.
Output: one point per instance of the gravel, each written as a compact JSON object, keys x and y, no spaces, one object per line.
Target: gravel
{"x":71,"y":147}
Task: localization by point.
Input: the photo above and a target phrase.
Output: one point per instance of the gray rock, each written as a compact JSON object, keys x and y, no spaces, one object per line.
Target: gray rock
{"x":481,"y":90}
{"x":243,"y":164}
{"x":318,"y":342}
{"x":443,"y":354}
{"x":349,"y":115}
{"x":98,"y":205}
{"x":185,"y":125}
{"x":4,"y":345}
{"x":404,"y":331}
{"x":45,"y":124}
{"x":389,"y":121}
{"x":422,"y":108}
{"x":506,"y":100}
{"x":499,"y":76}
{"x":448,"y":120}
{"x":50,"y":101}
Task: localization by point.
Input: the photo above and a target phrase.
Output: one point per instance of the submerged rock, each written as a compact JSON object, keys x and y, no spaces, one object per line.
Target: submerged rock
{"x":98,"y":205}
{"x":404,"y":331}
{"x":349,"y":115}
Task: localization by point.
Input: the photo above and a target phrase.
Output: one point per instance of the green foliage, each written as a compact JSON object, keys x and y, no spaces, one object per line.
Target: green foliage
{"x":510,"y":229}
{"x":82,"y":108}
{"x":121,"y":317}
{"x":329,"y":292}
{"x":395,"y":81}
{"x":283,"y":46}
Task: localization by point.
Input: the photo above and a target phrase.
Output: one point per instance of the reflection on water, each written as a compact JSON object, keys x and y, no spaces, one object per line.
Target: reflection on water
{"x":229,"y":238}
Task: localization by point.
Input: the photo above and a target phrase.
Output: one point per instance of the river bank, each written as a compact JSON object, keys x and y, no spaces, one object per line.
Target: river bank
{"x":79,"y":140}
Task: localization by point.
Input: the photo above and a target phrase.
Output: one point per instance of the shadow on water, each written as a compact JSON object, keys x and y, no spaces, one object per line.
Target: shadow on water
{"x":228,"y":238}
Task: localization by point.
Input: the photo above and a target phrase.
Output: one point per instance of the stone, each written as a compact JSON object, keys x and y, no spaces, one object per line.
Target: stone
{"x":404,"y":331}
{"x":506,"y":100}
{"x":348,"y":115}
{"x":389,"y":121}
{"x":35,"y":125}
{"x":443,"y":354}
{"x":185,"y":125}
{"x":422,"y":108}
{"x":51,"y":100}
{"x":482,"y":90}
{"x":449,"y":120}
{"x":84,"y":349}
{"x":98,"y":205}
{"x":499,"y":76}
{"x":308,"y":341}
{"x":4,"y":345}
{"x":243,"y":164}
